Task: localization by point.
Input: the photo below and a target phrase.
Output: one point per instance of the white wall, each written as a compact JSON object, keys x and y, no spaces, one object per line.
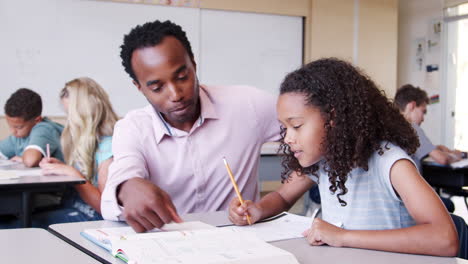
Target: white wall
{"x":415,"y":17}
{"x":54,"y":41}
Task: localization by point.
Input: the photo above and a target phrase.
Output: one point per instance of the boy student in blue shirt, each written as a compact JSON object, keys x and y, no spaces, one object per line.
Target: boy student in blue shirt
{"x":412,"y":102}
{"x":342,"y":133}
{"x":30,"y":132}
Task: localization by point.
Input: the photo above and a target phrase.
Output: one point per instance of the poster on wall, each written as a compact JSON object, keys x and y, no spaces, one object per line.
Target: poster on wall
{"x":432,"y":80}
{"x":434,"y":35}
{"x":419,"y":51}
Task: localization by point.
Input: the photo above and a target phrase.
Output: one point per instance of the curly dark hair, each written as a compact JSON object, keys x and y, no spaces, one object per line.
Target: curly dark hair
{"x":409,"y":93}
{"x":148,"y":35}
{"x":358,"y":118}
{"x":24,"y":103}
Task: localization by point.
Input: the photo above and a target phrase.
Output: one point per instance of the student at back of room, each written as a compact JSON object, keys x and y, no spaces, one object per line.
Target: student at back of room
{"x":30,"y":131}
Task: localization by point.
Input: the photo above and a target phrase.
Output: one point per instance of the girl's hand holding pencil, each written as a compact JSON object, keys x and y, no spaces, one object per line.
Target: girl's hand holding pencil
{"x":46,"y":160}
{"x":238,"y":212}
{"x":238,"y":193}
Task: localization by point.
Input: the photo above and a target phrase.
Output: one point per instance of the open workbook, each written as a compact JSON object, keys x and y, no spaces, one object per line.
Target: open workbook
{"x":189,"y":242}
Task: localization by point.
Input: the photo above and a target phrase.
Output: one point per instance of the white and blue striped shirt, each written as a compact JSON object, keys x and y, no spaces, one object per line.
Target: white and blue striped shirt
{"x":372,"y":203}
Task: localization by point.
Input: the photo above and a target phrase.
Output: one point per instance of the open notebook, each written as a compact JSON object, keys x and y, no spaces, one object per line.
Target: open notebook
{"x":189,"y":242}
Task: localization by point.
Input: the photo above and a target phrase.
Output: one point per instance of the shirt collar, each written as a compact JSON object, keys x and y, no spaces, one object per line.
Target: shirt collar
{"x":208,"y":109}
{"x":162,"y":128}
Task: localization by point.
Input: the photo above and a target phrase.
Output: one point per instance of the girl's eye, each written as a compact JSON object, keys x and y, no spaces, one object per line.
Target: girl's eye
{"x":296,"y":127}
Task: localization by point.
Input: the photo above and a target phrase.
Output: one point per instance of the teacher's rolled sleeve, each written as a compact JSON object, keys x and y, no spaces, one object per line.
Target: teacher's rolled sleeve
{"x":128,"y":163}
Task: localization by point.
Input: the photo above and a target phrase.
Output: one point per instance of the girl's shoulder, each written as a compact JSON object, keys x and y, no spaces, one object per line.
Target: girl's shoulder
{"x":382,"y":161}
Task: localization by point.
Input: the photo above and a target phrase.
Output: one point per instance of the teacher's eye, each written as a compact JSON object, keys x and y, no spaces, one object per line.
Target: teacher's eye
{"x":182,"y":77}
{"x":156,"y":89}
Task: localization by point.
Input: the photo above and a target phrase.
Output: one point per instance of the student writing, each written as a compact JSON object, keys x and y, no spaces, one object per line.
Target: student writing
{"x":412,"y":102}
{"x":30,"y":131}
{"x":341,"y":132}
{"x":87,"y":141}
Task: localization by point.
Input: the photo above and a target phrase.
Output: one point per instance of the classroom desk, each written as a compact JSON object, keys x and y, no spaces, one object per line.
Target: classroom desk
{"x":35,"y":245}
{"x":19,"y":191}
{"x":304,"y":253}
{"x":441,"y":176}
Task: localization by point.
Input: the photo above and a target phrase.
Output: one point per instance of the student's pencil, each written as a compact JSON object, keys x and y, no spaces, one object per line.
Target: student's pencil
{"x":233,"y":181}
{"x":314,"y":214}
{"x":48,"y":151}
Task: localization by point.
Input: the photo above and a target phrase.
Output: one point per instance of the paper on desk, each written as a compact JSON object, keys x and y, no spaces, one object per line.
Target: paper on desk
{"x":127,"y":231}
{"x":7,"y":163}
{"x":7,"y":175}
{"x":14,"y":174}
{"x":220,"y":245}
{"x":286,"y":227}
{"x":459,"y":164}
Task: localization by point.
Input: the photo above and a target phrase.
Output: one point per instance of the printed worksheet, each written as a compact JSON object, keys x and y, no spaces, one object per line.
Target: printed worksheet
{"x":281,"y":227}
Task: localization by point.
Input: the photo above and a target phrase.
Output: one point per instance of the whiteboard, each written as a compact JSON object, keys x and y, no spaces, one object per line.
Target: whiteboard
{"x":248,"y":48}
{"x":49,"y":42}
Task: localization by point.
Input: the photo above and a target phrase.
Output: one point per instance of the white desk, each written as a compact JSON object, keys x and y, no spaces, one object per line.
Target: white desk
{"x":34,"y":245}
{"x":299,"y":247}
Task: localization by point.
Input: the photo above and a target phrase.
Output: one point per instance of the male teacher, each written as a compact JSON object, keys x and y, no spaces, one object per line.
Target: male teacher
{"x":168,"y":156}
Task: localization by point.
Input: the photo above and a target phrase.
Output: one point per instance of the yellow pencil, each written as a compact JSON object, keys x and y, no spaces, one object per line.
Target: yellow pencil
{"x":236,"y":188}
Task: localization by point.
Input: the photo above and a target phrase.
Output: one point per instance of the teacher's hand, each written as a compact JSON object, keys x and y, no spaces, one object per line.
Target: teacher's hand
{"x":146,"y":206}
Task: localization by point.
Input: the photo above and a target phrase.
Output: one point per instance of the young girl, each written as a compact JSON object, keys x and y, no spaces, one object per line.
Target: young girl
{"x":86,"y":142}
{"x":341,"y":132}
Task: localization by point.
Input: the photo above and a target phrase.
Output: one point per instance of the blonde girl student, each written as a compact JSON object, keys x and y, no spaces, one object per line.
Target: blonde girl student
{"x":86,"y":143}
{"x":341,"y":132}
